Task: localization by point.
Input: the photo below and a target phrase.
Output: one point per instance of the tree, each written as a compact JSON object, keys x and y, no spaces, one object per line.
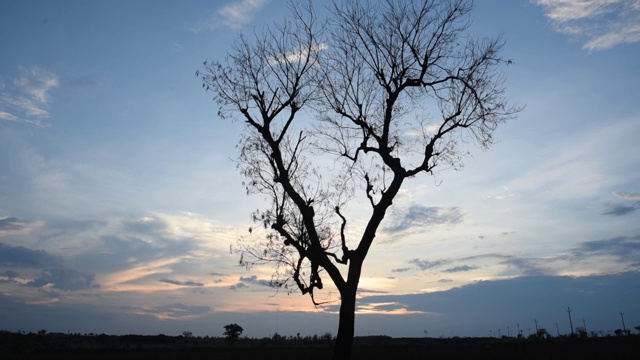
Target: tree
{"x":338,"y":114}
{"x":232,"y":332}
{"x":582,"y":332}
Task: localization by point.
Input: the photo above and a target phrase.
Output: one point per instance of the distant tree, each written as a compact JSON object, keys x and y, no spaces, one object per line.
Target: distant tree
{"x":232,"y":333}
{"x":582,"y":332}
{"x":327,"y":337}
{"x":42,"y":332}
{"x":637,"y":328}
{"x":187,"y":334}
{"x":540,"y":334}
{"x":379,"y":93}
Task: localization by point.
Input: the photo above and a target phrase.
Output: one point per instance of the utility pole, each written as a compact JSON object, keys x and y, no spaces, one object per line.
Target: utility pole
{"x":519,"y":332}
{"x":624,"y":329}
{"x":584,"y":325}
{"x":570,"y":321}
{"x":536,"y":321}
{"x":557,"y":329}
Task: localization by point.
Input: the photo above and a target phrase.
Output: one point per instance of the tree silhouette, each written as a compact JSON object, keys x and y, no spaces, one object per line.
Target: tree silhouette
{"x":341,"y":112}
{"x":232,"y":332}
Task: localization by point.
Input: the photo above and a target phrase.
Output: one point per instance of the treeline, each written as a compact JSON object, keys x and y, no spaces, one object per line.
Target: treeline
{"x":23,"y":345}
{"x":42,"y":341}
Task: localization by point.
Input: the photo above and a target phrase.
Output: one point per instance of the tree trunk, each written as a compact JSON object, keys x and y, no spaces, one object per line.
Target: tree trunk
{"x":344,"y":339}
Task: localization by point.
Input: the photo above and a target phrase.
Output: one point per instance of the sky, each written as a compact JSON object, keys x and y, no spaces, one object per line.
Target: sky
{"x":120,"y":198}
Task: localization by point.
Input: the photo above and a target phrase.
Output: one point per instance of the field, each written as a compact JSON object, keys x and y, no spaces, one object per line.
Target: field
{"x":99,"y":347}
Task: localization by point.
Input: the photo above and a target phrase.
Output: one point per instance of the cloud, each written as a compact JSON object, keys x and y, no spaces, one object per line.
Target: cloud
{"x":234,"y":16}
{"x":51,"y":273}
{"x":237,"y":286}
{"x":604,"y":256}
{"x":253,"y":279}
{"x":627,"y":195}
{"x":426,"y":264}
{"x":14,"y":226}
{"x":368,"y":291}
{"x":177,"y":311}
{"x":27,"y":98}
{"x":483,"y":305}
{"x":387,"y":308}
{"x":63,"y":279}
{"x":625,"y":249}
{"x":619,"y":210}
{"x":602,"y":24}
{"x":136,"y":254}
{"x":122,"y":249}
{"x":463,"y":268}
{"x":24,"y":257}
{"x":418,"y":216}
{"x":246,"y":281}
{"x":10,"y":274}
{"x":524,"y":266}
{"x":182,"y":283}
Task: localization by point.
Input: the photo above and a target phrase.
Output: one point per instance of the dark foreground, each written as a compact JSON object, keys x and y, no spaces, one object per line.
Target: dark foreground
{"x":621,"y":347}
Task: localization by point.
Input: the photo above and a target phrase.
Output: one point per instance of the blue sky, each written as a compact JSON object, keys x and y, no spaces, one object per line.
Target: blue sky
{"x":119,"y":197}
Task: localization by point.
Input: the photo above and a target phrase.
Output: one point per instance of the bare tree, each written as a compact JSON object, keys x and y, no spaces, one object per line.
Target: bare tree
{"x":342,"y":112}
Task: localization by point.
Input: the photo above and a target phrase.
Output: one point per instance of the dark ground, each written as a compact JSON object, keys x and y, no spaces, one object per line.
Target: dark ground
{"x":50,"y":347}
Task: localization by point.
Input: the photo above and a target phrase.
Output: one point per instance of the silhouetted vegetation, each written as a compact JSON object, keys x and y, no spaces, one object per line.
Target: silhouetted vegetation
{"x":232,"y":333}
{"x":46,"y":345}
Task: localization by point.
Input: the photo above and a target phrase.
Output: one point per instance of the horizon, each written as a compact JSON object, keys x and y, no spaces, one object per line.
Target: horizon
{"x":120,"y":198}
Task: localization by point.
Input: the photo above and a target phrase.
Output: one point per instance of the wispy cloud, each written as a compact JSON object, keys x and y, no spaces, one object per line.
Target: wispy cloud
{"x":602,"y":24}
{"x":426,"y":264}
{"x":63,"y":279}
{"x":253,"y":279}
{"x":623,"y":248}
{"x":619,"y":210}
{"x":462,"y":268}
{"x":234,"y":16}
{"x":627,"y":195}
{"x":524,"y":266}
{"x":14,"y":226}
{"x":417,"y":216}
{"x":623,"y":209}
{"x":50,"y":271}
{"x":27,"y":97}
{"x":178,"y":311}
{"x":181,"y":283}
